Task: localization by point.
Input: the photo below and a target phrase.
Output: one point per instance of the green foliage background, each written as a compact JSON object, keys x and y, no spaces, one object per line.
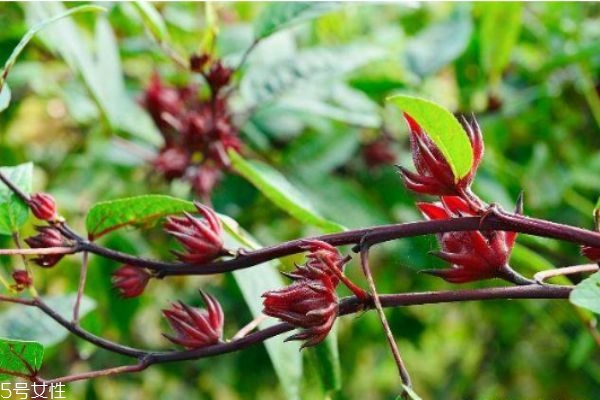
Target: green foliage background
{"x":316,"y":90}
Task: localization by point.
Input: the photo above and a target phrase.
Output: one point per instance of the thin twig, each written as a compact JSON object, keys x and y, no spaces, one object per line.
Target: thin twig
{"x":364,"y":261}
{"x":80,"y":287}
{"x":542,"y":276}
{"x":252,"y":325}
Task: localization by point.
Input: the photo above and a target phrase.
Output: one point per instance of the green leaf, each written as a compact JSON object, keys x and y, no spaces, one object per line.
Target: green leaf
{"x":19,"y":358}
{"x":36,"y":28}
{"x":108,"y":216}
{"x":443,"y":128}
{"x":280,"y":191}
{"x":286,"y":357}
{"x":587,"y":293}
{"x":276,"y":16}
{"x":13,"y":211}
{"x":328,"y":362}
{"x":439,"y":44}
{"x":500,"y":27}
{"x":30,"y":323}
{"x":4,"y":97}
{"x":99,"y":66}
{"x":263,"y":82}
{"x":152,"y":19}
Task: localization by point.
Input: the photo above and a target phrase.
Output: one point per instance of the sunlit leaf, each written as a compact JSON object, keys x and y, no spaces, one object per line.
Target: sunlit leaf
{"x":286,"y":357}
{"x":13,"y":211}
{"x":19,"y":358}
{"x":152,"y":19}
{"x":143,"y":210}
{"x":17,"y":322}
{"x":4,"y":97}
{"x":279,"y":15}
{"x":443,"y":128}
{"x":281,"y":192}
{"x":500,"y":27}
{"x":439,"y":44}
{"x":587,"y":293}
{"x":265,"y":82}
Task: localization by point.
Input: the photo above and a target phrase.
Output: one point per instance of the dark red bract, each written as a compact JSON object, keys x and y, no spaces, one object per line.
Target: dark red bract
{"x":43,"y":206}
{"x":434,"y":175}
{"x":130,"y":281}
{"x":47,"y":236}
{"x":195,"y":327}
{"x":202,"y":239}
{"x":310,"y":302}
{"x":474,"y":255}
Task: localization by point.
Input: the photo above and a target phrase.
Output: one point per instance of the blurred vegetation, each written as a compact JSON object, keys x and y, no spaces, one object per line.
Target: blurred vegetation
{"x":530,"y":73}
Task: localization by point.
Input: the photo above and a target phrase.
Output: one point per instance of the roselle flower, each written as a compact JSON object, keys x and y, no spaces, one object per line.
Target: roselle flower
{"x":434,"y":175}
{"x":202,"y":238}
{"x":474,"y":255}
{"x":172,"y":162}
{"x":205,"y":179}
{"x":218,"y":76}
{"x":130,"y":281}
{"x":195,"y":327}
{"x":310,"y":302}
{"x":47,"y":236}
{"x":165,"y":105}
{"x":378,"y":153}
{"x":22,"y":279}
{"x":43,"y":206}
{"x":199,"y":62}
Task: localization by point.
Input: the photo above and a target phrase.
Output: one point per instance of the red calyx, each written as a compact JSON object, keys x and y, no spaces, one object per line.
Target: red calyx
{"x":310,"y":302}
{"x":47,"y":236}
{"x":434,"y":175}
{"x":195,"y":327}
{"x":130,"y":281}
{"x":43,"y":206}
{"x":474,"y":255}
{"x":202,"y":239}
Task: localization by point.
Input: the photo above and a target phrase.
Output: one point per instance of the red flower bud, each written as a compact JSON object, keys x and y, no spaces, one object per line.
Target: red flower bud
{"x":474,"y":255}
{"x":172,"y":162}
{"x":22,"y":279}
{"x":48,"y":236}
{"x":165,"y":105}
{"x":202,"y":239}
{"x":198,"y":62}
{"x":42,"y":205}
{"x":592,"y":253}
{"x":310,"y":302}
{"x":195,"y":327}
{"x":218,"y":76}
{"x":205,"y":179}
{"x":434,"y":175}
{"x":378,"y":153}
{"x":130,"y":281}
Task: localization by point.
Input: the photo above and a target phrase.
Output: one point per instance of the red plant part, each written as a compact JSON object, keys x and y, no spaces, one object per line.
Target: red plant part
{"x":47,"y":236}
{"x":592,"y":253}
{"x":130,"y":281}
{"x":43,"y":206}
{"x":378,"y":153}
{"x":195,"y":327}
{"x":434,"y":175}
{"x":474,"y":255}
{"x":310,"y":302}
{"x":22,"y":279}
{"x":172,"y":162}
{"x":218,"y":76}
{"x":202,"y":239}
